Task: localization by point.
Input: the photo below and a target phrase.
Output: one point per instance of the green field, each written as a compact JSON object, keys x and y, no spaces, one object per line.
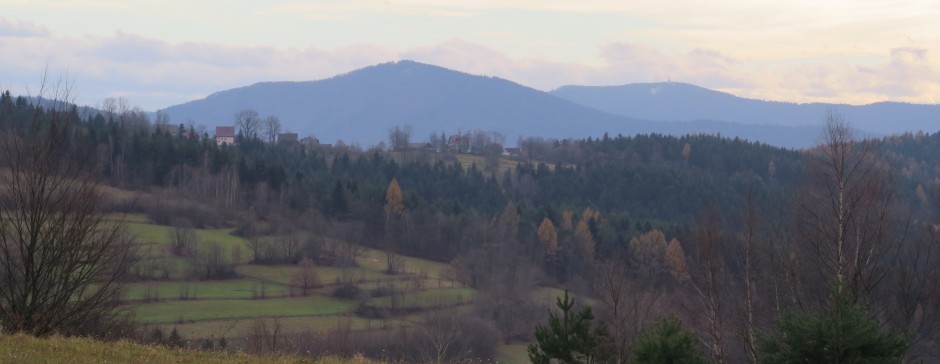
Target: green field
{"x":220,"y":301}
{"x":228,"y":308}
{"x":160,"y":234}
{"x":198,"y":310}
{"x":226,"y":289}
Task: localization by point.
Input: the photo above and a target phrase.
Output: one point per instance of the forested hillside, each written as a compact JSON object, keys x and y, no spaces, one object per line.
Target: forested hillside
{"x":636,"y":183}
{"x":726,"y":234}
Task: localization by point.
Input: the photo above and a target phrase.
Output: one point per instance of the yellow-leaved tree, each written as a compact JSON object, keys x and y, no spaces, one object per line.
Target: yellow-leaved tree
{"x":675,"y":260}
{"x":394,"y":200}
{"x":648,"y":249}
{"x":584,"y":240}
{"x":589,"y":214}
{"x":549,"y":238}
{"x":394,"y":206}
{"x":567,"y":217}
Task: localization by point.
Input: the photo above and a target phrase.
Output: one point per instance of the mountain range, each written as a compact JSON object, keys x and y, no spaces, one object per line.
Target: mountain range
{"x":361,"y":106}
{"x":680,"y":101}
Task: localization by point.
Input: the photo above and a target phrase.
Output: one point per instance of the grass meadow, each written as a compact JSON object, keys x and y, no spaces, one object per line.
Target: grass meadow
{"x":227,"y":308}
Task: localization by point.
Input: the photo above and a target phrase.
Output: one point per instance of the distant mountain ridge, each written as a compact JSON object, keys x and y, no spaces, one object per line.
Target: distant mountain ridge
{"x":361,"y":106}
{"x":669,"y":101}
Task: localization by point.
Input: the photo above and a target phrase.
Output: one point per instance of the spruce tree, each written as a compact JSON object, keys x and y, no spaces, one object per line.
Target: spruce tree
{"x":569,"y":338}
{"x":667,"y":343}
{"x":843,"y":334}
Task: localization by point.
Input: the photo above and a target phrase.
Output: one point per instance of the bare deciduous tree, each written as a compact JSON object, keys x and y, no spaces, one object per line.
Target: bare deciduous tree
{"x":748,"y":278}
{"x":182,"y":237}
{"x":208,"y":261}
{"x":439,"y":335}
{"x":161,"y":118}
{"x":306,"y":277}
{"x":914,"y":293}
{"x":61,"y":259}
{"x":845,"y":226}
{"x":399,"y":136}
{"x":272,"y":126}
{"x":267,"y":336}
{"x":631,"y":299}
{"x":851,"y":233}
{"x":249,"y":122}
{"x":290,"y":247}
{"x":708,"y":282}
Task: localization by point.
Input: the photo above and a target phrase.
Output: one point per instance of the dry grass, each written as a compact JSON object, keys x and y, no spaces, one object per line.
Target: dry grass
{"x":27,"y":349}
{"x":235,"y":328}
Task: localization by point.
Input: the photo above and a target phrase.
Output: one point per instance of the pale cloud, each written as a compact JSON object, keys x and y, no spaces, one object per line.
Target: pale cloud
{"x":629,"y":62}
{"x":909,"y":75}
{"x":156,"y":73}
{"x":903,"y":74}
{"x":481,"y":60}
{"x":898,"y":74}
{"x":348,"y":10}
{"x":466,"y":56}
{"x":19,"y":28}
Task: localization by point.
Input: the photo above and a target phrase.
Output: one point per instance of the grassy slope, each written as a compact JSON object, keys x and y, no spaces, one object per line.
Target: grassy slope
{"x":27,"y":349}
{"x":224,"y":308}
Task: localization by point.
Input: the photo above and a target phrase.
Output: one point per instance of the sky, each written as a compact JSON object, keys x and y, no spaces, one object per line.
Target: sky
{"x":161,"y":53}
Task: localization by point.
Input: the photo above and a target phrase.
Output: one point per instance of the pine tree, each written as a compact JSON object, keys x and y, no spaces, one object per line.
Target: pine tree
{"x":569,"y":338}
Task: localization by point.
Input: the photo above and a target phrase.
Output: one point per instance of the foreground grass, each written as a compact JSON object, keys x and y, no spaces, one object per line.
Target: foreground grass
{"x":27,"y":349}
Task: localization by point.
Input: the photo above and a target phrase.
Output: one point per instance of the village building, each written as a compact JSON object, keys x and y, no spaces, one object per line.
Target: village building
{"x":225,"y":135}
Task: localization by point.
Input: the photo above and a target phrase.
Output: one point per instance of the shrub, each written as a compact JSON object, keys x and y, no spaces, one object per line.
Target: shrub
{"x":347,"y":290}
